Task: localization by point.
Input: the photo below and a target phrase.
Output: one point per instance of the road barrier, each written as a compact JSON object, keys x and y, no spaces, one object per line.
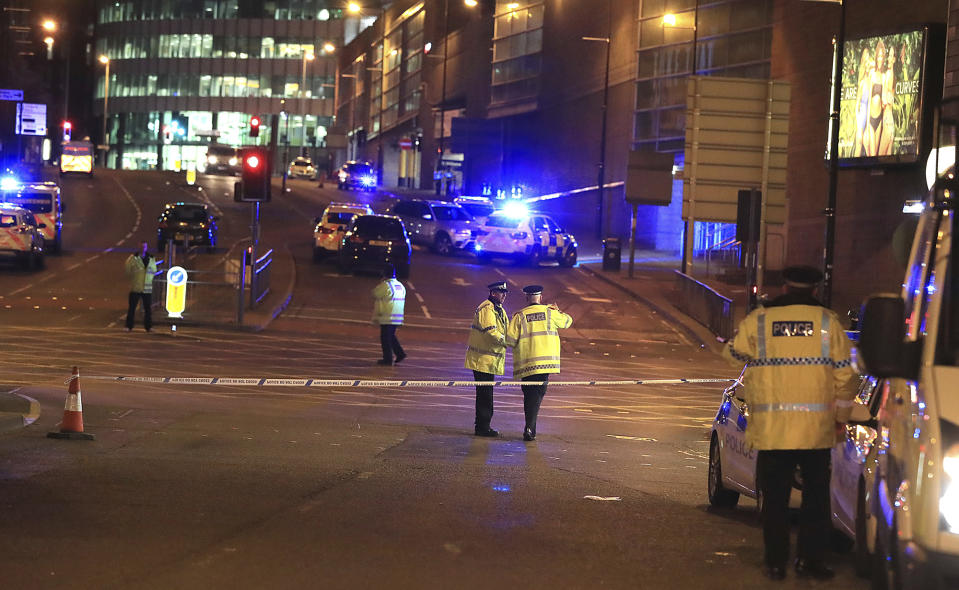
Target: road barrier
{"x":307,"y":382}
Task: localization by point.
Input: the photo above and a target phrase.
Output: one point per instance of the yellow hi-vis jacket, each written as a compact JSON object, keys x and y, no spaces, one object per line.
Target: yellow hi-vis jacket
{"x":486,"y":348}
{"x":533,"y":336}
{"x":799,"y":378}
{"x":389,"y":299}
{"x":140,"y":275}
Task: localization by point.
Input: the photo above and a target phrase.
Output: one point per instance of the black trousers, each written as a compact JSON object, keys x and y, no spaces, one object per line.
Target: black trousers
{"x":389,"y":342}
{"x":147,"y":299}
{"x":484,"y":400}
{"x":533,"y":397}
{"x":775,"y":470}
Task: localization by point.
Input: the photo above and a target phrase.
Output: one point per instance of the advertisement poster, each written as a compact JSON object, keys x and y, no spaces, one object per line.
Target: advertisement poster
{"x":879,"y":111}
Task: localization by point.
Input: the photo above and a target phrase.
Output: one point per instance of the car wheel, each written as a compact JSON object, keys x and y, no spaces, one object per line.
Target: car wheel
{"x":535,"y":256}
{"x":863,"y":559}
{"x":443,"y":245}
{"x":719,"y":496}
{"x":569,"y":260}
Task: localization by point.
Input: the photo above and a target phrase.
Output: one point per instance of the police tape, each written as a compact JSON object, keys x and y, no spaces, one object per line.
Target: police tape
{"x":285,"y":382}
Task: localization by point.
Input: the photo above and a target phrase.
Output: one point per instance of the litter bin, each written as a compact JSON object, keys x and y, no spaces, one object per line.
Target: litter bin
{"x":612,"y":253}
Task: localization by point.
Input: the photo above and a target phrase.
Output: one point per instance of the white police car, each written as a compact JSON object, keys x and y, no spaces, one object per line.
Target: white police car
{"x":514,"y":232}
{"x":20,"y":236}
{"x":732,"y":464}
{"x":329,"y":229}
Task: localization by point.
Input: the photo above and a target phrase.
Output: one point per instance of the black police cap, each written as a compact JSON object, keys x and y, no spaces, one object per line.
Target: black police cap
{"x":498,"y":286}
{"x":533,"y":289}
{"x":804,"y":277}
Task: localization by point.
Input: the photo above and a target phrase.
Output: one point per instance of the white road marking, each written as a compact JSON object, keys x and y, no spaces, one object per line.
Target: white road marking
{"x":426,"y":312}
{"x":74,"y":267}
{"x":460,"y":282}
{"x":593,"y":299}
{"x":574,"y":291}
{"x":24,"y":288}
{"x":418,"y":297}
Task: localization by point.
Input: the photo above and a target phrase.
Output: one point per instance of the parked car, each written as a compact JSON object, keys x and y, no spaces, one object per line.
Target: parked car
{"x":190,"y":223}
{"x":479,"y":207}
{"x":20,"y":237}
{"x":732,"y":462}
{"x":523,"y":236}
{"x":357,"y":175}
{"x":302,"y":167}
{"x":445,"y":227}
{"x":373,"y":242}
{"x":330,"y":227}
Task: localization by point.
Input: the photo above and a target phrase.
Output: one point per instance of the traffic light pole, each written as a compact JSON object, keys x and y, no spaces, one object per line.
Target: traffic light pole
{"x":255,"y":239}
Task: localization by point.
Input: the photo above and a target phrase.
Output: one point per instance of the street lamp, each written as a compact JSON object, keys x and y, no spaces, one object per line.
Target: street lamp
{"x":106,"y":94}
{"x":689,"y":226}
{"x":601,"y":181}
{"x":307,"y":56}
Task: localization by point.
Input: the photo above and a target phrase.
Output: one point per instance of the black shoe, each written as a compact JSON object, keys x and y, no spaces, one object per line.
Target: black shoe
{"x":384,"y":362}
{"x":528,"y":435}
{"x":485,"y":432}
{"x":808,"y":568}
{"x":775,"y":572}
{"x":400,"y":358}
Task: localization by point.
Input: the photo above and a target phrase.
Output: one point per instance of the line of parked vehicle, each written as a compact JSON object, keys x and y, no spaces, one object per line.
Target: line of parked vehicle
{"x":362,"y":239}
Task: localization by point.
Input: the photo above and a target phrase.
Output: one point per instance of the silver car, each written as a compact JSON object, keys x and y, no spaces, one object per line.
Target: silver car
{"x":445,"y":227}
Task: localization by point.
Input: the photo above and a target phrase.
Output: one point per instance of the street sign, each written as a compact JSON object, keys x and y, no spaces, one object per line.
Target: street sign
{"x":6,"y":94}
{"x":176,"y":291}
{"x":406,"y":143}
{"x":649,"y":178}
{"x":31,"y":119}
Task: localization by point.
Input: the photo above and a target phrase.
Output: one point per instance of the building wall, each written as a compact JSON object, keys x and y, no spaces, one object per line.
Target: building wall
{"x":869,"y":201}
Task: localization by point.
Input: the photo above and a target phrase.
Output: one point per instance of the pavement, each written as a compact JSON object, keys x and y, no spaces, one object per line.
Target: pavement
{"x":17,"y":410}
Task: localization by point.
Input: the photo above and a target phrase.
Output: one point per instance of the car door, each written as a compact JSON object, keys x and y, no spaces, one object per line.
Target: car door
{"x":739,"y":457}
{"x":428,"y":223}
{"x":849,"y":458}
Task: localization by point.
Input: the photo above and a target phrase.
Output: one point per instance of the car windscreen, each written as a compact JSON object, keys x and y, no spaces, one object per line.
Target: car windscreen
{"x":444,"y":213}
{"x":302,"y":162}
{"x":379,"y":228}
{"x":31,"y":201}
{"x":363,"y":169}
{"x":340,"y":217}
{"x":190,"y":214}
{"x":504,"y":221}
{"x":220,"y":150}
{"x":478,"y":209}
{"x":77,"y":150}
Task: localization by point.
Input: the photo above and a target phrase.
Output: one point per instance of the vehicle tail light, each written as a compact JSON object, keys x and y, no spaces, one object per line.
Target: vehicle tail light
{"x":520,"y":235}
{"x":356,"y":240}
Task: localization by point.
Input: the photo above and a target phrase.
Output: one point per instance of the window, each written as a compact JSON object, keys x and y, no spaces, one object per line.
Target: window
{"x":503,"y":221}
{"x":8,"y":220}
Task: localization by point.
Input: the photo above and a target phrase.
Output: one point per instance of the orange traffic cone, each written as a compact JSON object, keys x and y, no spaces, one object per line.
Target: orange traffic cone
{"x":72,"y":425}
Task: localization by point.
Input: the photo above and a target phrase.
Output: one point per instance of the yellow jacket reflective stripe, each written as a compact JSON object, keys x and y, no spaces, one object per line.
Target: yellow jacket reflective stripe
{"x":799,"y":378}
{"x":140,"y":275}
{"x":486,"y":348}
{"x":533,"y":335}
{"x":389,"y":300}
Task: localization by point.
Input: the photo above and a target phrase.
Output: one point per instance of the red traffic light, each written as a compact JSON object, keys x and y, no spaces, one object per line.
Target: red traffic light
{"x":255,"y":121}
{"x":253,"y":162}
{"x":67,"y":125}
{"x":254,"y":126}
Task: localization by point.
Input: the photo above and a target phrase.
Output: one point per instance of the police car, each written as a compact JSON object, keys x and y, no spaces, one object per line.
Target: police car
{"x":330,"y":227}
{"x":514,"y":232}
{"x":43,"y":200}
{"x":20,"y":237}
{"x":479,"y":207}
{"x":732,"y":464}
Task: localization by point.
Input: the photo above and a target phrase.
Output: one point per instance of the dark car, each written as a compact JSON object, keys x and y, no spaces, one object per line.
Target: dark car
{"x":190,"y":223}
{"x":222,"y":159}
{"x":373,"y":242}
{"x":357,"y":175}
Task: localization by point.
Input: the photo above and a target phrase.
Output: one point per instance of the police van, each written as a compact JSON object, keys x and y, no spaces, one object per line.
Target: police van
{"x":513,"y":232}
{"x":43,"y":200}
{"x":911,"y":341}
{"x":76,"y":157}
{"x":20,"y":237}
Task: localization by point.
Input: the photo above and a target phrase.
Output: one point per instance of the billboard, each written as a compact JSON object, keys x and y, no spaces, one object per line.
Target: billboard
{"x":881,"y":110}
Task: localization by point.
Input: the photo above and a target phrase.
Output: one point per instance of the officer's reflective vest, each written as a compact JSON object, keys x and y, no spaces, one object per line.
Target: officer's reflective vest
{"x":389,"y":299}
{"x":486,"y":349}
{"x":799,"y":378}
{"x":140,"y":275}
{"x":533,"y":335}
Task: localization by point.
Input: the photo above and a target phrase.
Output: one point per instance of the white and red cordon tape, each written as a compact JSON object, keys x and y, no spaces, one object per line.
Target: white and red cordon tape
{"x":280,"y":382}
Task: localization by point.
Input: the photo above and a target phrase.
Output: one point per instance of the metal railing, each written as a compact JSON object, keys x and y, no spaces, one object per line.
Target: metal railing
{"x":705,"y":305}
{"x":260,"y":279}
{"x":210,"y":295}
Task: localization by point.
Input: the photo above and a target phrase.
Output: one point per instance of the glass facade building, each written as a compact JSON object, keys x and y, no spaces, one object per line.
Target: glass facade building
{"x":185,"y":74}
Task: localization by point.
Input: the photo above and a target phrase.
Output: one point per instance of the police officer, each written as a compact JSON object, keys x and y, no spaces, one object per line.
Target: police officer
{"x":532,"y":333}
{"x":140,"y":269}
{"x":389,"y":300}
{"x":486,"y":352}
{"x":799,"y":384}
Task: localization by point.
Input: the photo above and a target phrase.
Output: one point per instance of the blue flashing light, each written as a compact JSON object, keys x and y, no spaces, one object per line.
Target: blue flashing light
{"x":502,"y":488}
{"x":515,"y":210}
{"x":368,"y":180}
{"x":9,"y":183}
{"x":477,"y":247}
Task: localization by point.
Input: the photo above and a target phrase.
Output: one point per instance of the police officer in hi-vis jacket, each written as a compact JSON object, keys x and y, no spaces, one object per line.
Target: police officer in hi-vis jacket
{"x":533,"y":335}
{"x":799,"y":384}
{"x":486,"y":352}
{"x":389,"y":300}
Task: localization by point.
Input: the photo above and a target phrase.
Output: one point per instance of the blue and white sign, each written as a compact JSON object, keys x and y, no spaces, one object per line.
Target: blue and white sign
{"x":176,"y":291}
{"x":31,"y":119}
{"x":8,"y":94}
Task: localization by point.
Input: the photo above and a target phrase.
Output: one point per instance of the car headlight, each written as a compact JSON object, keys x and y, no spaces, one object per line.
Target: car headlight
{"x":211,"y":159}
{"x":233,"y":161}
{"x":949,"y":500}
